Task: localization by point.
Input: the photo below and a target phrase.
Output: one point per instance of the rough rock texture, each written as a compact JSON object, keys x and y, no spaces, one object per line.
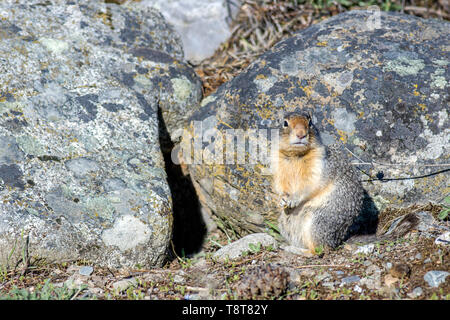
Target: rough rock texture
{"x":81,"y":170}
{"x":202,"y":24}
{"x":377,"y":87}
{"x":237,"y":248}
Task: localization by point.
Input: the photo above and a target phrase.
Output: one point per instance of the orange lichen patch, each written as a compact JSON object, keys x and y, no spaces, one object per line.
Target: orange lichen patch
{"x":308,"y":90}
{"x":342,"y":135}
{"x":429,"y":118}
{"x":422,"y":106}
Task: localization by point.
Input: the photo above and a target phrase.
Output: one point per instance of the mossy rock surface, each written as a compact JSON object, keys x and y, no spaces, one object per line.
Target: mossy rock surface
{"x":377,"y":87}
{"x":82,"y":175}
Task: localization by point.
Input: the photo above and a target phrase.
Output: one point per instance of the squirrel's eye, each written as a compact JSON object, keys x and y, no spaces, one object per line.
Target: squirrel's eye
{"x":285,"y":124}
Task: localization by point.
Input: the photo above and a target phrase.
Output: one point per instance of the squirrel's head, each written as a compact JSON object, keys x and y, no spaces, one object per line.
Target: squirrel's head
{"x":297,"y":134}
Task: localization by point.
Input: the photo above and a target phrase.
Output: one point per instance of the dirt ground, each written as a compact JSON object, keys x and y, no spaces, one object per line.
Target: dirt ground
{"x":387,"y":270}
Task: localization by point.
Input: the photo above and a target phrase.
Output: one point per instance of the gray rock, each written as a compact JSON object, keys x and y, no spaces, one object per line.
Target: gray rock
{"x":340,"y":273}
{"x":358,"y":289}
{"x":443,"y":239}
{"x":365,"y":249}
{"x":86,"y":271}
{"x":380,"y":96}
{"x":202,"y":24}
{"x":329,"y":284}
{"x":81,"y":171}
{"x":237,"y":248}
{"x":350,"y":279}
{"x":417,"y":292}
{"x":435,"y":278}
{"x":124,"y":284}
{"x":178,"y":279}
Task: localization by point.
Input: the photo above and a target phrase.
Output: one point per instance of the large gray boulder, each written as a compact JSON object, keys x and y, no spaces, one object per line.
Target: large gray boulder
{"x":377,"y":86}
{"x":81,"y":171}
{"x":202,"y":24}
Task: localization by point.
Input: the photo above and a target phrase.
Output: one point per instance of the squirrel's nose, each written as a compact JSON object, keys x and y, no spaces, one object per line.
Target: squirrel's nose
{"x":301,"y":136}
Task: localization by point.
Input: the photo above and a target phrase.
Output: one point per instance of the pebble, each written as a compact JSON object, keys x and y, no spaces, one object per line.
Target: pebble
{"x":418,"y":256}
{"x":178,"y":279}
{"x":237,"y":248}
{"x":350,"y":279}
{"x":339,"y":273}
{"x":328,"y":284}
{"x":123,"y":284}
{"x":86,"y":271}
{"x":417,"y":292}
{"x":366,"y":249}
{"x":443,"y":239}
{"x":434,"y":278}
{"x":358,"y":289}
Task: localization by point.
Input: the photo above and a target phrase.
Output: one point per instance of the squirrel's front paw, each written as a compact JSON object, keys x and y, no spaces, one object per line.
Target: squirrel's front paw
{"x":284,"y":203}
{"x":293,"y":203}
{"x":289,"y":202}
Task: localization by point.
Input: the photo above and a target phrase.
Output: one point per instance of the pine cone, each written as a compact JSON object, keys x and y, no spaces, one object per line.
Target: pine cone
{"x":264,"y":282}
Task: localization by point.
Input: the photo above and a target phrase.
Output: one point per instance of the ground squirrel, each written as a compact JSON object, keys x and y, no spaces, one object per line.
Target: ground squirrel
{"x":321,"y":193}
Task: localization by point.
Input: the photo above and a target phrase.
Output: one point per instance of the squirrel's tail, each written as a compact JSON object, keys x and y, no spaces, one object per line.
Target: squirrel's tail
{"x":397,"y":230}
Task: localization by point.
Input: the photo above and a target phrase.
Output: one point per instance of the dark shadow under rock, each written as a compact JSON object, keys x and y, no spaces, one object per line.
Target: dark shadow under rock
{"x":189,"y":229}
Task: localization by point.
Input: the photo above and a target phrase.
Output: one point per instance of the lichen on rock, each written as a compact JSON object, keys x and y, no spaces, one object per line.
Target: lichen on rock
{"x":377,"y":91}
{"x":80,"y":159}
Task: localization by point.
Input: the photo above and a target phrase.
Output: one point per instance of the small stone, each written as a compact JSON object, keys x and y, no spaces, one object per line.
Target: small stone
{"x":86,"y":271}
{"x":350,"y":279}
{"x":358,"y":289}
{"x":328,"y":284}
{"x":339,"y":273}
{"x":388,"y":265}
{"x":418,"y":256}
{"x":366,"y":249}
{"x":417,"y":292}
{"x":427,"y":260}
{"x":124,"y":284}
{"x":237,"y":248}
{"x":178,"y":279}
{"x":435,"y":278}
{"x":400,"y":270}
{"x":443,"y":239}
